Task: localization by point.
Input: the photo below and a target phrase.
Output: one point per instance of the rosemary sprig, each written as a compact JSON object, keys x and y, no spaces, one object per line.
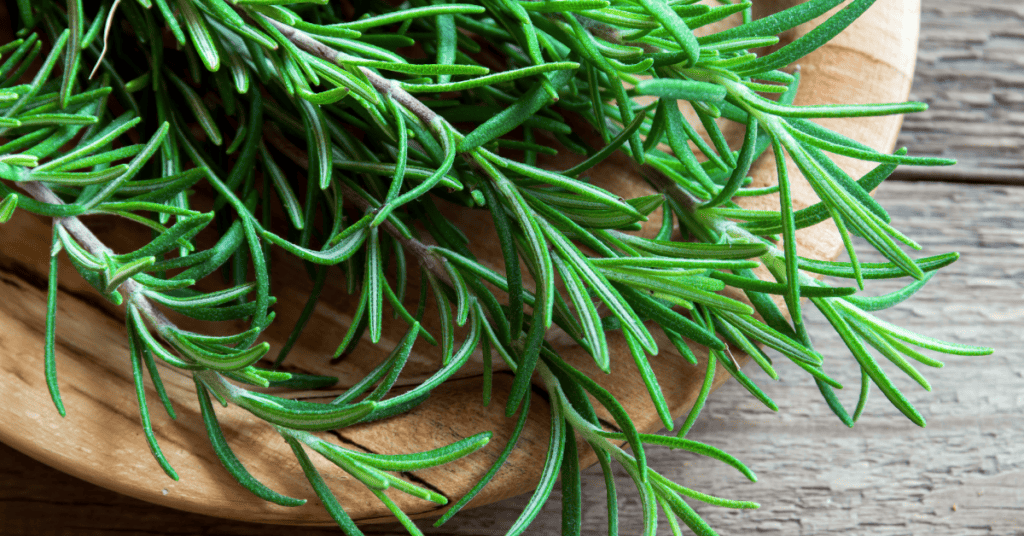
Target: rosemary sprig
{"x":385,"y":109}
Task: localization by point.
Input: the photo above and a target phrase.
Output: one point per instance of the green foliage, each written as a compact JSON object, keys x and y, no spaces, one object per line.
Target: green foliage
{"x":385,"y":109}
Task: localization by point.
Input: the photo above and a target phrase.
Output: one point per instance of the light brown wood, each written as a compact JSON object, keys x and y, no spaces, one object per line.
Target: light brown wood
{"x":100,"y":440}
{"x":884,"y":477}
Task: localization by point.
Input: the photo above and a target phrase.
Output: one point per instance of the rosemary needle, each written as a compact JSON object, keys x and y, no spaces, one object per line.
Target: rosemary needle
{"x":362,"y":121}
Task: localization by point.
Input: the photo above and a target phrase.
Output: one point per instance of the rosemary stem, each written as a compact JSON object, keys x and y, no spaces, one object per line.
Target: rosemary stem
{"x":718,"y":227}
{"x":578,"y":423}
{"x":387,"y":88}
{"x":132,"y":289}
{"x":590,"y":432}
{"x":414,"y":246}
{"x":375,"y":131}
{"x":773,"y":258}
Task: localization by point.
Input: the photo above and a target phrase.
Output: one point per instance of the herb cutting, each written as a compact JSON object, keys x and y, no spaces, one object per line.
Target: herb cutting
{"x":338,"y":134}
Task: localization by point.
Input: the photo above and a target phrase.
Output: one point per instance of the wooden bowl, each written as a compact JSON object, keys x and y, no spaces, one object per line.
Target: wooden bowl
{"x":101,"y":440}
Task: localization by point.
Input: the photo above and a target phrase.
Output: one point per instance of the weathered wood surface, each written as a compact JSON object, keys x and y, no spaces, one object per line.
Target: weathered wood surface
{"x":959,"y":476}
{"x":870,"y":62}
{"x":970,"y":71}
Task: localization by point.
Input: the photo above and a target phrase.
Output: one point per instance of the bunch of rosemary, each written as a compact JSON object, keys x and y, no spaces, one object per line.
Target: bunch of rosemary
{"x":147,"y":109}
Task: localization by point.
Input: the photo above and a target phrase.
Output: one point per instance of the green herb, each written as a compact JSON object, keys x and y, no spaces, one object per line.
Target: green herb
{"x":308,"y":88}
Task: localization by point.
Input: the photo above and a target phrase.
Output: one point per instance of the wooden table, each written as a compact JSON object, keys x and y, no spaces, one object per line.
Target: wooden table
{"x":959,"y":476}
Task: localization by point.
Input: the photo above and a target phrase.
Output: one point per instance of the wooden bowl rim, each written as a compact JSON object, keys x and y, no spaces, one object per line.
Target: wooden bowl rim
{"x":83,"y":445}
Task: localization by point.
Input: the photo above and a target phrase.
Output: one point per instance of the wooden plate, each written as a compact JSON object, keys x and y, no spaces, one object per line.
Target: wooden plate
{"x":101,"y":440}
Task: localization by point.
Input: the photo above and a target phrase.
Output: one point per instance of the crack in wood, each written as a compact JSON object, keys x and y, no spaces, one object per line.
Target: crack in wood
{"x":407,"y":474}
{"x":348,"y":441}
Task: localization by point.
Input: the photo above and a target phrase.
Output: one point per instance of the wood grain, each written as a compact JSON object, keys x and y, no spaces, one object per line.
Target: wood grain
{"x":969,"y":456}
{"x":957,"y":477}
{"x":970,"y":71}
{"x":961,"y":474}
{"x":101,"y":442}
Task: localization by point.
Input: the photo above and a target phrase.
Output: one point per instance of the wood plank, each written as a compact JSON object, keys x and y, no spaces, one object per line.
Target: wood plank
{"x":886,"y":476}
{"x":96,"y":448}
{"x":970,"y":71}
{"x":957,"y":477}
